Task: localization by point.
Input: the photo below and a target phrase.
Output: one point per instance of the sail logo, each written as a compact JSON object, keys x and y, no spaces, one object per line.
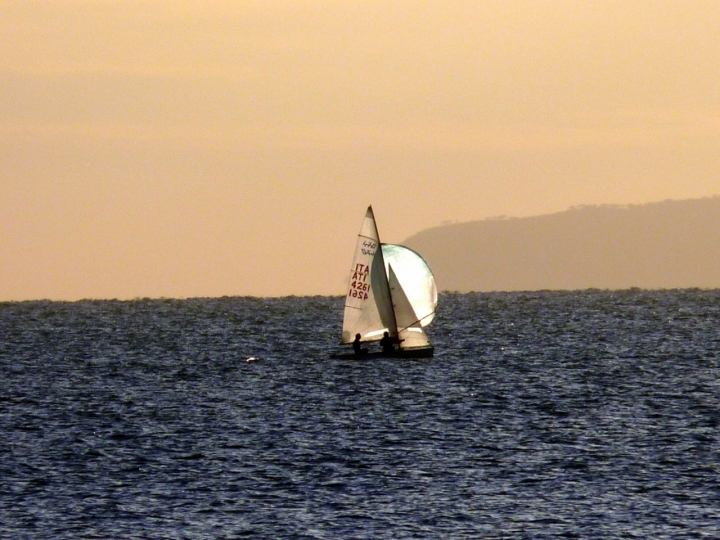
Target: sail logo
{"x":359,"y":285}
{"x":368,"y":248}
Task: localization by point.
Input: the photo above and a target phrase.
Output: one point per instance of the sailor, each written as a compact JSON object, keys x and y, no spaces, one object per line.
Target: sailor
{"x":388,"y":343}
{"x":357,"y":347}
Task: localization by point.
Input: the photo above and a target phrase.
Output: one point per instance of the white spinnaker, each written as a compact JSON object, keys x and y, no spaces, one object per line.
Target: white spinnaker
{"x":416,"y":278}
{"x":368,"y":309}
{"x":409,"y":328}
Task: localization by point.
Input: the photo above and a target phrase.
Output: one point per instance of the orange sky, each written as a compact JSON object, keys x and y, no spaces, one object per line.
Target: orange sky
{"x":176,"y":148}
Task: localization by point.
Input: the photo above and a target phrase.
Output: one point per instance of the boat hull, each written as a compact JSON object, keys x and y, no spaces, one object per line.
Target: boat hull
{"x":417,"y":352}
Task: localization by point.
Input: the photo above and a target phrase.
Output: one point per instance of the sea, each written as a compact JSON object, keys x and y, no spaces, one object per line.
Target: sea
{"x":577,"y":414}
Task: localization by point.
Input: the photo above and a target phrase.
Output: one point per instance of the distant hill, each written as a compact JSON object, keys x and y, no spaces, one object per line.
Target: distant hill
{"x":660,"y":245}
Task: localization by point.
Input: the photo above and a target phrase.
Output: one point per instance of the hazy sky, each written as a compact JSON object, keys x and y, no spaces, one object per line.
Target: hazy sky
{"x":184,"y":148}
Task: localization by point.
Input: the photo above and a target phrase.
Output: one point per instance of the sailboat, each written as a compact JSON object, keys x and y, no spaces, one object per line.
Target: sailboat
{"x":391,"y":291}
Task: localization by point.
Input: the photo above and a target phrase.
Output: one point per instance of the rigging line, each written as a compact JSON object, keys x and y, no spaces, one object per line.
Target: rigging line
{"x":416,"y":322}
{"x":411,"y":326}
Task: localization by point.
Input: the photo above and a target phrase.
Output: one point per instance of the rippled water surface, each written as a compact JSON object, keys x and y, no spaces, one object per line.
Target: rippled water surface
{"x":589,"y":414}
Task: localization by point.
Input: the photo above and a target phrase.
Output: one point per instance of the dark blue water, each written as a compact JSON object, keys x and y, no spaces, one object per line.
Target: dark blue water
{"x":590,"y":414}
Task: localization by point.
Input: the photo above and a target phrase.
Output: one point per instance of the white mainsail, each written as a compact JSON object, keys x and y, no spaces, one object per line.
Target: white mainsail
{"x":368,"y":308}
{"x":391,"y":289}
